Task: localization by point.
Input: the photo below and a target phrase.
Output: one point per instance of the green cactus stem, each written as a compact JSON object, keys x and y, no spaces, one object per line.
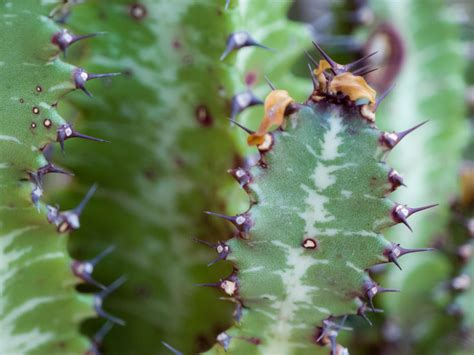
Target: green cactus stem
{"x":319,"y":205}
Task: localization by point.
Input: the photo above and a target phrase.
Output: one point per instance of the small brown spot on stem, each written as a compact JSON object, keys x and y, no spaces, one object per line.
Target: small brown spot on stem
{"x":203,"y":116}
{"x":138,"y":11}
{"x":47,"y":123}
{"x":39,"y":88}
{"x":35,"y":110}
{"x":309,"y":243}
{"x":33,"y":125}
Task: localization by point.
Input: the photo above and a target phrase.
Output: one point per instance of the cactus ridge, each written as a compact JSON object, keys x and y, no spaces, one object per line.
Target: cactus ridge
{"x":319,"y":205}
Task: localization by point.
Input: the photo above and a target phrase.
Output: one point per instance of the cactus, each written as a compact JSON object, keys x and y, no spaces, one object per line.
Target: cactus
{"x":318,"y":207}
{"x":165,"y":118}
{"x":40,"y":310}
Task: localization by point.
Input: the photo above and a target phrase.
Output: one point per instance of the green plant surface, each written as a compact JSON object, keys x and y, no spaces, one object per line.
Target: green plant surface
{"x":40,"y":310}
{"x":166,"y":163}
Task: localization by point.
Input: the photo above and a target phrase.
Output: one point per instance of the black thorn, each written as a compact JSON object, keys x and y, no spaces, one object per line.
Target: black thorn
{"x":243,"y":100}
{"x":311,"y":59}
{"x":358,"y":61}
{"x":331,"y":62}
{"x":313,"y":78}
{"x":249,"y":131}
{"x":85,"y":200}
{"x":379,"y":99}
{"x":222,"y":250}
{"x":395,"y":179}
{"x":100,"y":297}
{"x":170,"y":348}
{"x":363,"y":70}
{"x":269,"y":83}
{"x":392,"y":139}
{"x":241,"y":222}
{"x":66,"y":131}
{"x":364,"y":73}
{"x":239,"y":40}
{"x":400,"y":214}
{"x":80,"y":77}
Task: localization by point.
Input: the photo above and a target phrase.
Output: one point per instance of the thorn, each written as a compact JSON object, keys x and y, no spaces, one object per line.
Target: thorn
{"x":84,"y":269}
{"x":80,"y":77}
{"x":66,"y":131}
{"x":331,"y":62}
{"x":270,"y":83}
{"x":63,"y":39}
{"x":400,"y":214}
{"x":230,"y":285}
{"x":227,"y":3}
{"x":311,"y":59}
{"x":240,"y":39}
{"x":359,"y":61}
{"x":222,"y":250}
{"x":313,"y":77}
{"x":243,"y":100}
{"x":397,"y":251}
{"x":372,"y":289}
{"x":170,"y":348}
{"x":36,"y":194}
{"x":102,"y":295}
{"x":49,"y":168}
{"x":241,"y":222}
{"x":241,"y":175}
{"x":395,"y":179}
{"x":390,"y":140}
{"x":69,"y":220}
{"x":249,"y":131}
{"x":224,"y":340}
{"x":379,"y":99}
{"x":98,"y":339}
{"x":368,"y":71}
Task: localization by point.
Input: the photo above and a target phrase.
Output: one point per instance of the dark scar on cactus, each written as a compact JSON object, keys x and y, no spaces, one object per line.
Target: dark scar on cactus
{"x":38,"y":88}
{"x":309,"y":243}
{"x":83,"y":269}
{"x":203,"y":116}
{"x":238,"y":40}
{"x":396,"y":251}
{"x":47,"y":123}
{"x":33,"y":125}
{"x":80,"y":77}
{"x":35,"y":110}
{"x":66,"y":131}
{"x":69,"y":220}
{"x":98,"y":339}
{"x":400,"y":213}
{"x":102,"y":295}
{"x":137,"y":11}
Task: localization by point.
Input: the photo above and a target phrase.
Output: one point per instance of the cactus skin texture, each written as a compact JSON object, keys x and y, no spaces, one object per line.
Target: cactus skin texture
{"x":170,"y":148}
{"x":318,"y":208}
{"x":40,"y":310}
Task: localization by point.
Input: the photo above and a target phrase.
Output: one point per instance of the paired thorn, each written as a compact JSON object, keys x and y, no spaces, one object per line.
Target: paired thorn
{"x":230,"y":285}
{"x":224,"y":340}
{"x":363,"y":309}
{"x":69,"y":220}
{"x":98,"y":338}
{"x":222,"y":249}
{"x":227,"y":3}
{"x":359,"y":61}
{"x":242,"y":101}
{"x":101,"y":296}
{"x":240,"y":39}
{"x":80,"y":77}
{"x":66,"y":131}
{"x":170,"y":348}
{"x":395,"y":179}
{"x":84,"y":269}
{"x":330,"y":331}
{"x":396,"y":251}
{"x":391,"y":139}
{"x":63,"y":39}
{"x":400,"y":213}
{"x":242,"y":221}
{"x":242,"y":176}
{"x":36,"y":177}
{"x":371,"y":289}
